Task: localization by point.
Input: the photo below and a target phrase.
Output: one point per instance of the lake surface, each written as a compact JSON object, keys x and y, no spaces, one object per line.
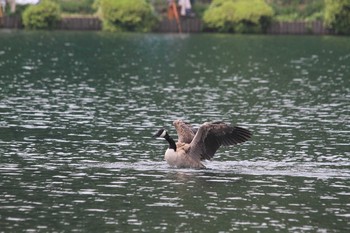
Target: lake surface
{"x":77,"y":111}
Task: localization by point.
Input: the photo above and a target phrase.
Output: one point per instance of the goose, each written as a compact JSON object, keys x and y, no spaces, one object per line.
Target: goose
{"x":195,"y":145}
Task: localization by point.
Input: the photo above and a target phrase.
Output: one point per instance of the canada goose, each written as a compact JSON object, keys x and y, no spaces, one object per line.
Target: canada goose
{"x":193,"y":145}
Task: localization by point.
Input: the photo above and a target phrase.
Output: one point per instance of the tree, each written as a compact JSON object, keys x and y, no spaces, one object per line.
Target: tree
{"x":12,"y":4}
{"x":126,"y":15}
{"x":337,"y":15}
{"x":42,"y":16}
{"x":238,"y":15}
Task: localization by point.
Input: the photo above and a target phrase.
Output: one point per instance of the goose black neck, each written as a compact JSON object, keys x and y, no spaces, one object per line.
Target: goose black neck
{"x":172,"y":144}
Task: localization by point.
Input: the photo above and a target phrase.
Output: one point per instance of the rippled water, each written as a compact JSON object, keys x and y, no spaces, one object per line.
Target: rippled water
{"x":77,"y":111}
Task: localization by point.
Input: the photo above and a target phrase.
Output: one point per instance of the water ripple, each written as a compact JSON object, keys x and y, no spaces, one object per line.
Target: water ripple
{"x":77,"y":111}
{"x":315,"y":170}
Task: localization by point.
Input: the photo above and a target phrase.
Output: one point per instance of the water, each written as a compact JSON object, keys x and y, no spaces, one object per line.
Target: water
{"x":77,"y":111}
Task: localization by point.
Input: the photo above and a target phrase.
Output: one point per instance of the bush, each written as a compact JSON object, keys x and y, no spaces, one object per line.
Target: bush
{"x":298,"y":10}
{"x":337,"y":15}
{"x":42,"y":16}
{"x":199,"y":8}
{"x":127,"y":15}
{"x":238,"y":16}
{"x":76,"y":6}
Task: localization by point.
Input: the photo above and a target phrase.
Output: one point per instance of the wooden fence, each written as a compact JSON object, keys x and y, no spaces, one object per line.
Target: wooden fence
{"x":88,"y":23}
{"x":188,"y":25}
{"x":298,"y":28}
{"x":11,"y":22}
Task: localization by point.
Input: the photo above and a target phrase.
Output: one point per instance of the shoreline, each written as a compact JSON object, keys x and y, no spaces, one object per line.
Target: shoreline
{"x":188,"y":25}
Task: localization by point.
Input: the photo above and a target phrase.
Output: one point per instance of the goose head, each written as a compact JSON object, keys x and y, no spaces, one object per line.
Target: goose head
{"x":160,"y":133}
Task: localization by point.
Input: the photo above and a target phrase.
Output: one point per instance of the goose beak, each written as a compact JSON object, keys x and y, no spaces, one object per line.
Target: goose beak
{"x":156,"y":135}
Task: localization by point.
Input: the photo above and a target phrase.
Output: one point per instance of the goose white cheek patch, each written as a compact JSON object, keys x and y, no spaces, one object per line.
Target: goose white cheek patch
{"x":163,"y":134}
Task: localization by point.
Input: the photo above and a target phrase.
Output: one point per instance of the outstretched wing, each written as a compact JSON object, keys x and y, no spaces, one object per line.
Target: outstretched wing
{"x":211,"y":136}
{"x":184,"y":131}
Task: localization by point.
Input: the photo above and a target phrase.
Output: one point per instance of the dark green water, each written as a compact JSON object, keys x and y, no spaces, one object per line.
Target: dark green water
{"x":77,"y":111}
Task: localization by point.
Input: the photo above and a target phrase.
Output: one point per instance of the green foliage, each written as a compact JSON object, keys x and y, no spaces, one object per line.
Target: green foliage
{"x":199,"y":8}
{"x":238,"y":16}
{"x":126,"y":15}
{"x":298,"y":10}
{"x":76,"y":6}
{"x":19,"y":9}
{"x":337,"y":15}
{"x":42,"y":16}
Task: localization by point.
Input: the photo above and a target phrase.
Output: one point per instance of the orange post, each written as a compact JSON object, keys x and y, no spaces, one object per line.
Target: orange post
{"x":173,"y":13}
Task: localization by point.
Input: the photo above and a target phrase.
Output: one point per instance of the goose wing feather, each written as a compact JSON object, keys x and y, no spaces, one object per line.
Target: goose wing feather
{"x":211,"y":136}
{"x":185,"y":131}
